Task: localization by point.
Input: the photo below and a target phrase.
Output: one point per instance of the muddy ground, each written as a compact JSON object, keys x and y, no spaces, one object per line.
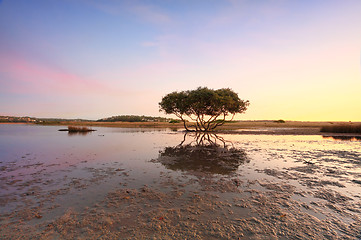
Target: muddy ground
{"x":277,"y":193}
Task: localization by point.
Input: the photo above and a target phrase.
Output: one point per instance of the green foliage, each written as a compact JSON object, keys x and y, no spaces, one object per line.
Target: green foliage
{"x":207,"y":107}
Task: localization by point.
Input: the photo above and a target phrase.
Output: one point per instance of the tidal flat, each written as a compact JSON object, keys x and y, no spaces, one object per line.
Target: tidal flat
{"x":140,"y":183}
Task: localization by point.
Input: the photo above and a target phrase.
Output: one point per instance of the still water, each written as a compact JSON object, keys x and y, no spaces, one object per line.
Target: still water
{"x":50,"y":171}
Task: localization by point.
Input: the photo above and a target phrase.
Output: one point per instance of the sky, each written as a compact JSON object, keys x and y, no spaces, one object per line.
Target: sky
{"x":293,"y":60}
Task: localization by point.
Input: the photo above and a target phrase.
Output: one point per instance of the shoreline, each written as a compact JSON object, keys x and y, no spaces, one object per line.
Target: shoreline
{"x":16,"y":123}
{"x":243,"y":127}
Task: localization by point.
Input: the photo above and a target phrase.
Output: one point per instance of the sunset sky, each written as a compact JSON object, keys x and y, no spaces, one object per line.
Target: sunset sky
{"x":293,"y":60}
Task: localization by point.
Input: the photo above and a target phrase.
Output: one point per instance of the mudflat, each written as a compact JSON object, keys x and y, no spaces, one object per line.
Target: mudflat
{"x":155,"y":183}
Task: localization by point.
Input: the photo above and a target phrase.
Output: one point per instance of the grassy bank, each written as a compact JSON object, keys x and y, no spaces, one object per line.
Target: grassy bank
{"x":75,"y":129}
{"x":342,"y":128}
{"x":227,"y":126}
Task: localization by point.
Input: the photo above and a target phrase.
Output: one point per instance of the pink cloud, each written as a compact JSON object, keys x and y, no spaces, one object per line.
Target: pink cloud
{"x":33,"y":77}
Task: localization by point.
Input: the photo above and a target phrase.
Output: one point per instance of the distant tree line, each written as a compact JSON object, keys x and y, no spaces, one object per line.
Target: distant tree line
{"x":135,"y":118}
{"x":122,"y":118}
{"x":13,"y":119}
{"x":17,"y":119}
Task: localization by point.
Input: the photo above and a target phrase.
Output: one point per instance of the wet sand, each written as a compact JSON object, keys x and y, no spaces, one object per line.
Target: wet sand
{"x":292,"y":189}
{"x":219,"y":209}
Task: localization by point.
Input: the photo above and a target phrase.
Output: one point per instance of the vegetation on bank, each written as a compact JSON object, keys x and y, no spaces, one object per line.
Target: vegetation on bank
{"x":51,"y":121}
{"x":344,"y":128}
{"x":135,"y":118}
{"x":59,"y":120}
{"x":280,"y":121}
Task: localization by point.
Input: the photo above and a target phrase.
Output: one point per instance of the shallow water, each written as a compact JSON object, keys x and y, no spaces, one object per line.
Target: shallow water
{"x":44,"y":173}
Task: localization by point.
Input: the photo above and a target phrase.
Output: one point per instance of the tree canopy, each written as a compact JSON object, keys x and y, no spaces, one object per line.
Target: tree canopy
{"x":208,"y":108}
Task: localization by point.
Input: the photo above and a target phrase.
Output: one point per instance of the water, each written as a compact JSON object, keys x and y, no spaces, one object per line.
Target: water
{"x":50,"y":171}
{"x":32,"y":156}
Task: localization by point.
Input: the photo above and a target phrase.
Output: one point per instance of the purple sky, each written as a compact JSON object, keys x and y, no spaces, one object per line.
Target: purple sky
{"x":293,"y":60}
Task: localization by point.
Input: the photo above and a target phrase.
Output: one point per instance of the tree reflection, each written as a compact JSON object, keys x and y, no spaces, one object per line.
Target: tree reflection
{"x":78,"y":133}
{"x":208,"y":153}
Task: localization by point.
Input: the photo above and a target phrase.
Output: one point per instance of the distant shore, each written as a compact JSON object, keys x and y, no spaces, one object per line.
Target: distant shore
{"x":236,"y":127}
{"x":241,"y":127}
{"x":15,"y":123}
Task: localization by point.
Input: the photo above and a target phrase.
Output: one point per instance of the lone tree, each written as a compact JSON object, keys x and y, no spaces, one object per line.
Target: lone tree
{"x":208,"y":108}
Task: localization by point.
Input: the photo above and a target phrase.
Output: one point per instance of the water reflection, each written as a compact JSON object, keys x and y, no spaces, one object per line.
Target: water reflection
{"x":344,"y":138}
{"x":207,"y":153}
{"x":78,"y":133}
